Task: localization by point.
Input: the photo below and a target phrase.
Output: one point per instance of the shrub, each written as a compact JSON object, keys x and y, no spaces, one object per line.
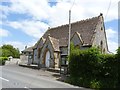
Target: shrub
{"x":95,"y":84}
{"x":108,"y":75}
{"x":89,"y":68}
{"x":83,"y":64}
{"x":2,"y":60}
{"x":118,"y":61}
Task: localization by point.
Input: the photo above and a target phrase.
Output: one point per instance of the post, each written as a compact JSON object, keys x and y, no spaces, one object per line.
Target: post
{"x":69,"y":32}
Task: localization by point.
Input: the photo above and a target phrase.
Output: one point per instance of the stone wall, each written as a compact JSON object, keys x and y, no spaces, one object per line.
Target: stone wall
{"x":47,"y":46}
{"x":23,"y":59}
{"x":100,"y":36}
{"x":35,"y":59}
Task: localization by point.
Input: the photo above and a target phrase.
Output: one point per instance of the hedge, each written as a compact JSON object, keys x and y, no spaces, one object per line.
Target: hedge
{"x":2,"y":60}
{"x":89,"y":68}
{"x":118,"y":60}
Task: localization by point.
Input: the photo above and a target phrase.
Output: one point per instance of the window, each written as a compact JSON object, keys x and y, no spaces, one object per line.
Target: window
{"x":77,"y":46}
{"x":104,"y":50}
{"x":101,"y":46}
{"x":101,"y":28}
{"x":39,"y":52}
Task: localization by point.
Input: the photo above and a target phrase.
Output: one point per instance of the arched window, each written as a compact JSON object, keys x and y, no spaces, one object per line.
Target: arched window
{"x":104,"y":50}
{"x":39,"y":52}
{"x":101,"y":28}
{"x":101,"y":46}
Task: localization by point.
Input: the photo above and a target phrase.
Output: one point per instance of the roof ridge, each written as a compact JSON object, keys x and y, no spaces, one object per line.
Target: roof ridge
{"x":81,"y":21}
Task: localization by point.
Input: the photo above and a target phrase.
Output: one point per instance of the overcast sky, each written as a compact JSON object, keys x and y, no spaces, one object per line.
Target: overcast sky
{"x":23,"y":22}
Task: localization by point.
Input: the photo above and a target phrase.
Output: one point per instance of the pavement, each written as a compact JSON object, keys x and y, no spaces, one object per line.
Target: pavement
{"x":14,"y":76}
{"x":33,"y":66}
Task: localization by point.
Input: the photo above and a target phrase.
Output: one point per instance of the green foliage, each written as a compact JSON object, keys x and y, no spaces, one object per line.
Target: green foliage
{"x":109,"y":71}
{"x":118,"y":61}
{"x":118,"y":53}
{"x":9,"y":50}
{"x":95,"y":84}
{"x":89,"y":68}
{"x":2,"y":60}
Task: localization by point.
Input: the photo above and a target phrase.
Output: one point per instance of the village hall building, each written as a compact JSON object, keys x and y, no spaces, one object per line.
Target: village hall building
{"x":53,"y":45}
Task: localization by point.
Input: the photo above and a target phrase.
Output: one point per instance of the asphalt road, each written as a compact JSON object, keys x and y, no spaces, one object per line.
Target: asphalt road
{"x":14,"y":76}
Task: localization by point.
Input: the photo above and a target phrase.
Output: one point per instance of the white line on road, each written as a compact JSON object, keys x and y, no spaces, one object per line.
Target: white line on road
{"x":4,"y":79}
{"x":27,"y":88}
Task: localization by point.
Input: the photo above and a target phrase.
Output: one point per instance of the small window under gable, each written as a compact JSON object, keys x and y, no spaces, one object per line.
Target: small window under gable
{"x":101,"y":46}
{"x":101,"y":28}
{"x":76,"y":39}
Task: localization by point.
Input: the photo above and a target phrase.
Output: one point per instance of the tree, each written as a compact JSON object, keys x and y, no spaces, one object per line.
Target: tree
{"x":9,"y":50}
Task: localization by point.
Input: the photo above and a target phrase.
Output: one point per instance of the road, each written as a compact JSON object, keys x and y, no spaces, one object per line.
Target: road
{"x":14,"y":76}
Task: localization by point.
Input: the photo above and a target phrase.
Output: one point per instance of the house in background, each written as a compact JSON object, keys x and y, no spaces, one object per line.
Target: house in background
{"x":26,"y":56}
{"x":53,"y":45}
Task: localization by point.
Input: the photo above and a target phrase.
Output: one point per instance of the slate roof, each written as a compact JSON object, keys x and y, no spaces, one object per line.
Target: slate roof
{"x":36,"y":44}
{"x":55,"y":43}
{"x":29,"y":49}
{"x":85,"y":28}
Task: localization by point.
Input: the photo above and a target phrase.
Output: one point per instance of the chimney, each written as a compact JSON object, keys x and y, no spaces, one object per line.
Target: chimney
{"x":48,"y":28}
{"x":26,"y":47}
{"x":101,"y":14}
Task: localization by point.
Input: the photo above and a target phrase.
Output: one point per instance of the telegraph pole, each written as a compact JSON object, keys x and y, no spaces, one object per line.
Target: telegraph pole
{"x":69,"y":32}
{"x":70,"y":28}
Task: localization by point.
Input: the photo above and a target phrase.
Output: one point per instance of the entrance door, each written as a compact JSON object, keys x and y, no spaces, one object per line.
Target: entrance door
{"x":47,"y":59}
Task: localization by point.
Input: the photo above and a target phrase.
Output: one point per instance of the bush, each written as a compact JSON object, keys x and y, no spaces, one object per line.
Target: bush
{"x":118,"y":61}
{"x":83,"y":63}
{"x":109,"y":71}
{"x":95,"y":84}
{"x":89,"y":68}
{"x":2,"y":60}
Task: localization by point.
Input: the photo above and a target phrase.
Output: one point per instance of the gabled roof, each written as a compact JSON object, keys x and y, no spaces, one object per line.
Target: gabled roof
{"x":29,"y":49}
{"x":86,"y":29}
{"x":55,"y":43}
{"x":79,"y":36}
{"x":36,"y":44}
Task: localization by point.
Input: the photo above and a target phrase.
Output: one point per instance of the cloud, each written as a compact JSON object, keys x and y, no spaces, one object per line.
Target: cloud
{"x":18,"y":44}
{"x":59,"y":13}
{"x":113,"y":46}
{"x":4,"y":33}
{"x":111,"y":33}
{"x":35,"y":8}
{"x":32,"y":28}
{"x":112,"y":39}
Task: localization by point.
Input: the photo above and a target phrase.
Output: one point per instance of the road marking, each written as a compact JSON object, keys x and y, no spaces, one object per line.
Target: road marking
{"x":4,"y":79}
{"x":27,"y":88}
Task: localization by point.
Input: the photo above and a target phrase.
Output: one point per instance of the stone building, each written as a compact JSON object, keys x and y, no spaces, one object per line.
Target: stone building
{"x":48,"y":51}
{"x":26,"y":56}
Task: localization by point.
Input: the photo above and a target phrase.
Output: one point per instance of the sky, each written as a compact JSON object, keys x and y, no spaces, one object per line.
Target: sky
{"x":23,"y":22}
